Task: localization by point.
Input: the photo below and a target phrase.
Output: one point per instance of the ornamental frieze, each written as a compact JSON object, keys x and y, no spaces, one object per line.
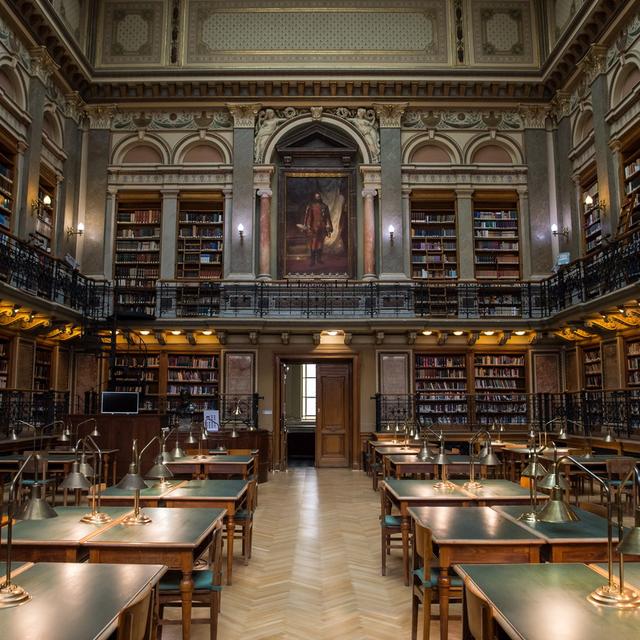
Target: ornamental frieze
{"x":174,"y":120}
{"x":484,"y":120}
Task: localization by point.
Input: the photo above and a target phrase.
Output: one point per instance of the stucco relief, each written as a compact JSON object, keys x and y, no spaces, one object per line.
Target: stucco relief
{"x":163,"y":121}
{"x":627,"y":36}
{"x":484,"y":120}
{"x":13,"y":45}
{"x":133,"y":32}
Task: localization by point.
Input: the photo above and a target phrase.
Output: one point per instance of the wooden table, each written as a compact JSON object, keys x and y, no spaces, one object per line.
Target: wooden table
{"x":631,"y":573}
{"x":549,"y":601}
{"x":581,"y":541}
{"x":57,"y":539}
{"x":224,"y":494}
{"x":499,"y":492}
{"x":414,"y":493}
{"x":107,"y":463}
{"x":205,"y":466}
{"x":474,"y":535}
{"x":514,"y":456}
{"x":55,"y":611}
{"x":175,"y":537}
{"x":381,"y":451}
{"x":404,"y":465}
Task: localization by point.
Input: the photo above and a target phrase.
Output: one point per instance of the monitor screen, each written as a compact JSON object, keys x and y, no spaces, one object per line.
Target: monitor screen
{"x":119,"y":402}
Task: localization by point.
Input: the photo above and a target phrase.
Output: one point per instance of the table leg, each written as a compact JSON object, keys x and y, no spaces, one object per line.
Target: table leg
{"x":105,"y":470}
{"x":405,"y":527}
{"x":186,"y":594}
{"x":443,"y":596}
{"x":231,"y":525}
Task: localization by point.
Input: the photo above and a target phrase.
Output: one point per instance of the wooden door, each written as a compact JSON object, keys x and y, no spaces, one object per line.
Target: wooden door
{"x":333,"y":415}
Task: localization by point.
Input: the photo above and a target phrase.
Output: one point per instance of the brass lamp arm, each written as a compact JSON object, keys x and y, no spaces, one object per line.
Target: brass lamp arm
{"x":146,"y":446}
{"x":476,"y":436}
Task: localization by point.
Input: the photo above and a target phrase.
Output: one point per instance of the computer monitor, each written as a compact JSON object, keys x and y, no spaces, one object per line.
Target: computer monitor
{"x":125,"y":402}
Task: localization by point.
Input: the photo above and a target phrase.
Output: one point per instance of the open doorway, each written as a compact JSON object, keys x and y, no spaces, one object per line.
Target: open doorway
{"x":316,"y":408}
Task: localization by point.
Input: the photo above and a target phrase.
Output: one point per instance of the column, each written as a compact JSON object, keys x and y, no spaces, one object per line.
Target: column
{"x":392,"y":255}
{"x":265,"y":233}
{"x":168,"y":226}
{"x":525,"y":233}
{"x":466,"y":253}
{"x":369,"y":234}
{"x":21,"y":207}
{"x":109,"y":233}
{"x":406,"y":229}
{"x":58,"y":229}
{"x":241,"y":249}
{"x":228,"y":215}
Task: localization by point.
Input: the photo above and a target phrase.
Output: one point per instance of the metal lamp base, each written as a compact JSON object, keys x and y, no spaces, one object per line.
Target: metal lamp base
{"x":136,"y":519}
{"x":529,"y":516}
{"x":472,"y":485}
{"x":12,"y":595}
{"x":608,"y":596}
{"x":96,"y":518}
{"x":444,"y":485}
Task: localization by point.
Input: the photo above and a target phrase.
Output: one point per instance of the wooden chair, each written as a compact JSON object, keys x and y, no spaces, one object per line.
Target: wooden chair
{"x":243,"y":525}
{"x":136,"y":621}
{"x":597,"y":509}
{"x":256,"y":464}
{"x":617,"y":469}
{"x":39,"y":462}
{"x":479,"y":616}
{"x":390,"y":530}
{"x":207,"y":590}
{"x":425,"y":581}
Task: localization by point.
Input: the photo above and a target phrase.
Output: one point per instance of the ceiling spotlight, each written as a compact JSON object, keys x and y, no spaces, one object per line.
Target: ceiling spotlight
{"x":144,"y":332}
{"x":458,"y":333}
{"x":333,"y":332}
{"x":427,"y":332}
{"x":488,"y":333}
{"x":207,"y":332}
{"x":176,"y":332}
{"x":520,"y":333}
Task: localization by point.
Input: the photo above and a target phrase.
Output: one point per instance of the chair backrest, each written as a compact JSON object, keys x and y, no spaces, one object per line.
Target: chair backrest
{"x":240,"y":452}
{"x":215,"y":556}
{"x":619,"y":467}
{"x":592,"y":507}
{"x":479,"y":615}
{"x":423,"y":546}
{"x":251,"y":496}
{"x":135,"y":622}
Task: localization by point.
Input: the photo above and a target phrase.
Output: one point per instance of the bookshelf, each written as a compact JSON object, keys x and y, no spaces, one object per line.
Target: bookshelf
{"x":42,"y":369}
{"x":44,"y":216}
{"x":631,"y":208}
{"x":633,"y":363}
{"x":591,"y":217}
{"x":434,"y":246}
{"x":137,"y":255}
{"x":441,"y":387}
{"x":200,"y":239}
{"x":139,"y":372}
{"x":592,"y":367}
{"x":500,"y":386}
{"x":7,"y":176}
{"x":4,"y":363}
{"x":496,"y":239}
{"x":196,"y":373}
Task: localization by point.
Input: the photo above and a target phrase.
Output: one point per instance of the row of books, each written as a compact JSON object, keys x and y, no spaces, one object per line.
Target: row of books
{"x":199,"y":362}
{"x":192,"y":376}
{"x":139,"y":216}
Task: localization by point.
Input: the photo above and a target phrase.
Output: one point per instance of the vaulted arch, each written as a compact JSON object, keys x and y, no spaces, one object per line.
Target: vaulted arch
{"x":149,"y":150}
{"x":209,"y":149}
{"x":627,"y":79}
{"x":12,"y":85}
{"x":492,"y":150}
{"x":425,"y":149}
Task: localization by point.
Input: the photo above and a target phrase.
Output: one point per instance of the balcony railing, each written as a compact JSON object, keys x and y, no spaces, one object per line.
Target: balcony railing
{"x":35,"y":407}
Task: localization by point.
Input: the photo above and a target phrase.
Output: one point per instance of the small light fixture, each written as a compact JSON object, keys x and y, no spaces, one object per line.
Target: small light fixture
{"x":488,"y":333}
{"x":458,"y":333}
{"x":333,"y":332}
{"x":241,"y":232}
{"x":78,"y":231}
{"x":14,"y":311}
{"x":176,"y":332}
{"x":207,"y":332}
{"x":144,"y":332}
{"x":564,"y":232}
{"x":427,"y":332}
{"x":520,"y":333}
{"x":588,"y":200}
{"x":46,"y":200}
{"x":392,"y":231}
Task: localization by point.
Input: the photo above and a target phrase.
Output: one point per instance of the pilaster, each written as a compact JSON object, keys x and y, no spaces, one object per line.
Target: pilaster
{"x":168,"y":226}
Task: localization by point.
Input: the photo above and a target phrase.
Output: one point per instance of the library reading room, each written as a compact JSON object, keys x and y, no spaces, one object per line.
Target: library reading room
{"x":319,"y":319}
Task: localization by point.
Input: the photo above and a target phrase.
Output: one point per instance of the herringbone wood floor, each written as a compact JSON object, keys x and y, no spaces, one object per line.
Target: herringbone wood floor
{"x":315,"y":571}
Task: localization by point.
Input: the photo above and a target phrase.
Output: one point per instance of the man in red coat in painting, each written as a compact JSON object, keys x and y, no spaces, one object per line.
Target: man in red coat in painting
{"x":317,"y":222}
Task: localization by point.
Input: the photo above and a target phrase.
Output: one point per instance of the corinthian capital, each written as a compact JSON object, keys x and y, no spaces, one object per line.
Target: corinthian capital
{"x":100,"y":115}
{"x":390,"y":114}
{"x":244,"y":114}
{"x":42,"y":64}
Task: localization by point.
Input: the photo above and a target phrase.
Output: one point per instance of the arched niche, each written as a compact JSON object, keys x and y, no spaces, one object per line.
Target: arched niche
{"x":493,"y":150}
{"x":51,"y":128}
{"x":149,"y":150}
{"x":197,"y":150}
{"x":430,"y":153}
{"x":626,"y":80}
{"x":491,"y":154}
{"x":12,"y":86}
{"x":583,"y":127}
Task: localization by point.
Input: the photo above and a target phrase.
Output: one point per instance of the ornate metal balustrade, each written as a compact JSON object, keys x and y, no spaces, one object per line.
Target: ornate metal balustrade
{"x":35,"y":407}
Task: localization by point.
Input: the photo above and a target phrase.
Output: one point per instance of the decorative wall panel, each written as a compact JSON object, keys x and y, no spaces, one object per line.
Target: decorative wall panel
{"x":133,"y":33}
{"x":562,"y":12}
{"x":502,"y":32}
{"x":282,"y":34}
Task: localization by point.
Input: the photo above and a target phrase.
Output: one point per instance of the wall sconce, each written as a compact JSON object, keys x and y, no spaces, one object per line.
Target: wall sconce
{"x":78,"y":231}
{"x":564,"y":232}
{"x":392,"y":230}
{"x":37,"y":204}
{"x":241,"y":232}
{"x":601,"y":204}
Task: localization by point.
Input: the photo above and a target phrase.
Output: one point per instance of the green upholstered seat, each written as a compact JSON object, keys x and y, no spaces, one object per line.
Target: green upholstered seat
{"x":432,"y":582}
{"x":392,"y":521}
{"x":202,"y":580}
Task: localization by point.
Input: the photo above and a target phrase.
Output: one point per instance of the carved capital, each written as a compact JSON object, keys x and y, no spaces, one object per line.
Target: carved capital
{"x":100,"y":115}
{"x":244,"y":114}
{"x":560,"y":105}
{"x":595,"y":62}
{"x":371,"y":176}
{"x":534,"y":116}
{"x":262,"y":176}
{"x":73,"y":106}
{"x":390,"y":115}
{"x":369,"y":193}
{"x":43,"y":65}
{"x":265,"y":193}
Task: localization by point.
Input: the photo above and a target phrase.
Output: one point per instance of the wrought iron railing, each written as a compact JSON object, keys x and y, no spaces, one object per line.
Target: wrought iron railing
{"x":35,"y":407}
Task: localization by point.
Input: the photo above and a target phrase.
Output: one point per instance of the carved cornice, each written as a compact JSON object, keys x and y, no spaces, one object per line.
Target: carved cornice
{"x":262,"y":177}
{"x":390,"y":114}
{"x":244,"y":114}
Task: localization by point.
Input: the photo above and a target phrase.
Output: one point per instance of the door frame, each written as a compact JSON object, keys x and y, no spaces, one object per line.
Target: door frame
{"x":325,"y":358}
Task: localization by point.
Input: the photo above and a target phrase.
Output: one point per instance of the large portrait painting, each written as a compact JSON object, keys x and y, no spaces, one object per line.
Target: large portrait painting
{"x":317,"y":225}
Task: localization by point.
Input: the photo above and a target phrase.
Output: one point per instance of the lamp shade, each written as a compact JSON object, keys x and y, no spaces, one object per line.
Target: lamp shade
{"x":36,"y":507}
{"x":132,"y":480}
{"x":441,"y":458}
{"x":159,"y":470}
{"x":551,"y":480}
{"x":75,"y":479}
{"x":166,"y":455}
{"x":85,"y":468}
{"x":490,"y":459}
{"x":191,"y":438}
{"x":609,"y":437}
{"x":534,"y":470}
{"x":178,"y":452}
{"x":556,"y":510}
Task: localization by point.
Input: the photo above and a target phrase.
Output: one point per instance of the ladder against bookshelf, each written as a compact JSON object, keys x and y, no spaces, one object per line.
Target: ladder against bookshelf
{"x":434,"y":246}
{"x":441,"y":387}
{"x":139,"y":372}
{"x":7,"y":177}
{"x":496,"y":239}
{"x":42,"y":369}
{"x":137,"y":255}
{"x":592,"y":367}
{"x":195,"y":373}
{"x":200,"y":237}
{"x":591,"y":217}
{"x":500,"y":386}
{"x":4,"y":363}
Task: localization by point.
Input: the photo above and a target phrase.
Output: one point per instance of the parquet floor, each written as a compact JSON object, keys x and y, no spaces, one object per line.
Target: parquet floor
{"x":315,"y":571}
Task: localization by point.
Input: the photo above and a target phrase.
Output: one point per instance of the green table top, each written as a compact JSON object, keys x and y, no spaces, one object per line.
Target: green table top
{"x":168,"y":527}
{"x":74,"y":601}
{"x":423,"y":489}
{"x":413,"y":459}
{"x":595,"y":459}
{"x":631,"y":571}
{"x":211,"y":459}
{"x":470,"y":524}
{"x":153,"y":491}
{"x":53,"y":459}
{"x":548,"y":451}
{"x":66,"y":528}
{"x":199,"y":489}
{"x":590,"y":527}
{"x":549,"y":601}
{"x":398,"y":450}
{"x":496,"y":488}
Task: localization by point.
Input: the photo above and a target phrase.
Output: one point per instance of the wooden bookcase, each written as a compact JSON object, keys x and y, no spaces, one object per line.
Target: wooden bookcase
{"x":42,"y":234}
{"x":591,"y":217}
{"x":500,"y":387}
{"x":630,"y":213}
{"x":633,"y":363}
{"x":496,"y":237}
{"x":200,"y":237}
{"x":434,"y":243}
{"x":137,"y":254}
{"x":4,"y":362}
{"x":197,"y":373}
{"x":7,"y":177}
{"x":592,"y":368}
{"x":441,"y":387}
{"x":42,"y":369}
{"x":139,"y":372}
